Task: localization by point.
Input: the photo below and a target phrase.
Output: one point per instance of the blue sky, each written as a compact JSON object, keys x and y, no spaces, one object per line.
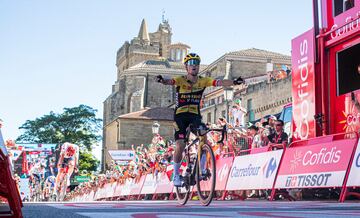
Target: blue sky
{"x":56,"y":54}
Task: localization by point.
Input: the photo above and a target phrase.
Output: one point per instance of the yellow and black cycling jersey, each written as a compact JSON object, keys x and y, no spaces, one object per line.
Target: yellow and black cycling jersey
{"x":188,"y":95}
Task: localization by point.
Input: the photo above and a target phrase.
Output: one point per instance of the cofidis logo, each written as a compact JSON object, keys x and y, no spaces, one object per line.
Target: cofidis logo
{"x":311,"y":158}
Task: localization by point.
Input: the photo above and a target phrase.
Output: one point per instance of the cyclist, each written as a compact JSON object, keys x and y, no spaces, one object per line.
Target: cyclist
{"x":69,"y":156}
{"x":49,"y":185}
{"x":189,"y":89}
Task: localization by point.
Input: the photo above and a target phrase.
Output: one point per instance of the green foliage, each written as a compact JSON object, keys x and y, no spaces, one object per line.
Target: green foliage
{"x":77,"y":125}
{"x":88,"y":161}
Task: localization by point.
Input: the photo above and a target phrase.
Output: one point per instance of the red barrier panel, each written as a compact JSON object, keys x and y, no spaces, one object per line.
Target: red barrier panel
{"x":325,"y":164}
{"x":8,"y":187}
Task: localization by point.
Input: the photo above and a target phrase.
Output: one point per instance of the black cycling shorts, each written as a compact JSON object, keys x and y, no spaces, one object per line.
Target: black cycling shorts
{"x":66,"y":161}
{"x":182,"y":121}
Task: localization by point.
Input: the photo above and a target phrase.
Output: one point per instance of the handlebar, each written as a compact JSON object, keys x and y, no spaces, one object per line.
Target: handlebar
{"x":222,"y":130}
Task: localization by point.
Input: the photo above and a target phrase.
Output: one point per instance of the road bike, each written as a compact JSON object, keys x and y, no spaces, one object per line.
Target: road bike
{"x":200,"y":167}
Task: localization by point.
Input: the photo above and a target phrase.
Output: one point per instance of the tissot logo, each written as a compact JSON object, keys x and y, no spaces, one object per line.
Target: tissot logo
{"x":316,"y":180}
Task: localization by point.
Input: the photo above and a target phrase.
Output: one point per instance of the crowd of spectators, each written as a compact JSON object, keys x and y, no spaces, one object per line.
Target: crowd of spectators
{"x":158,"y":155}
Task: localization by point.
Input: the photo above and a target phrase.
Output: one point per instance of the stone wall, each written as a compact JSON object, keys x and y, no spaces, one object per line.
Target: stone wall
{"x":110,"y":140}
{"x":136,"y":131}
{"x":266,"y":98}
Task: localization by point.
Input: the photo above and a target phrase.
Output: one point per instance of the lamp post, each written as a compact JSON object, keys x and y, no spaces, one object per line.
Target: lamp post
{"x":228,"y":96}
{"x":155,"y":127}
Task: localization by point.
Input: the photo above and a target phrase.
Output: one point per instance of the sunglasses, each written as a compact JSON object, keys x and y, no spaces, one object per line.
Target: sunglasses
{"x":278,"y":124}
{"x":193,"y":62}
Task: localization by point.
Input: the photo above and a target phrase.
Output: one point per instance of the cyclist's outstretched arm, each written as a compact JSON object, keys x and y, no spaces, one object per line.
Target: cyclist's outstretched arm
{"x":164,"y":81}
{"x":228,"y":82}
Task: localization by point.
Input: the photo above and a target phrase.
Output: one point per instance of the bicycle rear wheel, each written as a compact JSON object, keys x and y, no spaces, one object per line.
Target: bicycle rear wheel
{"x":206,"y":179}
{"x":183,"y":193}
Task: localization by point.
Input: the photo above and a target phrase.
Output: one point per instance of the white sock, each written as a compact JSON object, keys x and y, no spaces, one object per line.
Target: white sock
{"x":202,"y":161}
{"x":176,"y":168}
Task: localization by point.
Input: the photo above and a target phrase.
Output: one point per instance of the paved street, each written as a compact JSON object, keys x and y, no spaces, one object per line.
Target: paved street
{"x":152,"y":209}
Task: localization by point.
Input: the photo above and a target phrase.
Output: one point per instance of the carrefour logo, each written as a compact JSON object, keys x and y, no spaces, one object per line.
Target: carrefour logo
{"x":357,"y":161}
{"x":244,"y":172}
{"x":270,"y":167}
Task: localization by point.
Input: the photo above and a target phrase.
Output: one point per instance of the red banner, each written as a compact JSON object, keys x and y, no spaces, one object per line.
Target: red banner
{"x":303,"y":86}
{"x":319,"y":165}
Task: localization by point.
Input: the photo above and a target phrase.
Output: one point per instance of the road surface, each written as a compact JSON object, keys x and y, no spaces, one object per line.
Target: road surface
{"x":152,"y":209}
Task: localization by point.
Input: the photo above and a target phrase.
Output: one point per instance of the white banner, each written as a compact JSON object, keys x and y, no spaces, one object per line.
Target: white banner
{"x":24,"y":188}
{"x":2,"y":145}
{"x":122,"y":154}
{"x":255,"y":171}
{"x":150,"y":184}
{"x":311,"y":180}
{"x":354,"y":175}
{"x":126,"y":187}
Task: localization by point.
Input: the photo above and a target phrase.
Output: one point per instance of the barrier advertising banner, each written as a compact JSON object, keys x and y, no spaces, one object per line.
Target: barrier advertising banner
{"x":2,"y":145}
{"x":255,"y":171}
{"x":126,"y":188}
{"x":318,"y":165}
{"x":223,"y":166}
{"x":163,"y":184}
{"x":118,"y":189}
{"x":24,"y":188}
{"x":354,"y":175}
{"x":136,"y":186}
{"x":149,"y":186}
{"x":303,"y":86}
{"x":127,"y":155}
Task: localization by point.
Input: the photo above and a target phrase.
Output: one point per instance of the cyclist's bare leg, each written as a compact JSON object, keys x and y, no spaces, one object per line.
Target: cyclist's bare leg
{"x":59,"y":177}
{"x":71,"y":168}
{"x":180,"y":145}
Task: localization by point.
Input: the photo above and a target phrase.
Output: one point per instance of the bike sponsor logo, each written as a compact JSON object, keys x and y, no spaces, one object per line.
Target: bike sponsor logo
{"x":311,"y":180}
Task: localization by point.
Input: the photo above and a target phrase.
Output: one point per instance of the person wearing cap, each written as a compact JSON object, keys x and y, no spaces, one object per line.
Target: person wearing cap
{"x":279,"y":138}
{"x":237,"y":114}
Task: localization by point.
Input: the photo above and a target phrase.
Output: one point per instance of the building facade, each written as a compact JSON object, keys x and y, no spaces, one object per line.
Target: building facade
{"x":136,"y":128}
{"x":267,"y":89}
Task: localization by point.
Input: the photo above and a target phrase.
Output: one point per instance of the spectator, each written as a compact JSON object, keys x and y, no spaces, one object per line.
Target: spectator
{"x":237,"y":114}
{"x":279,"y":137}
{"x":256,"y":140}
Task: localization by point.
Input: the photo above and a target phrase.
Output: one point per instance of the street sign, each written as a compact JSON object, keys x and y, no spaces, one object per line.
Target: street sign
{"x":82,"y":179}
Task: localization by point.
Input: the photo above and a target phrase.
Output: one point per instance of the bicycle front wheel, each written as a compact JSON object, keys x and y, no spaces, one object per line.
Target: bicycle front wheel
{"x":183,"y":193}
{"x":206,"y":175}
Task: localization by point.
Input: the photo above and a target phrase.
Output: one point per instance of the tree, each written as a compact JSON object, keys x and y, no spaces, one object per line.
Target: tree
{"x":77,"y":125}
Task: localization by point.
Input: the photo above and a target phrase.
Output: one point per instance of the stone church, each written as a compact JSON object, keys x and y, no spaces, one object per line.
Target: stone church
{"x":138,"y":62}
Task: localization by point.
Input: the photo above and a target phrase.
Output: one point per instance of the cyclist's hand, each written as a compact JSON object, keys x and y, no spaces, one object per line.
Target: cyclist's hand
{"x":159,"y":79}
{"x":238,"y":81}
